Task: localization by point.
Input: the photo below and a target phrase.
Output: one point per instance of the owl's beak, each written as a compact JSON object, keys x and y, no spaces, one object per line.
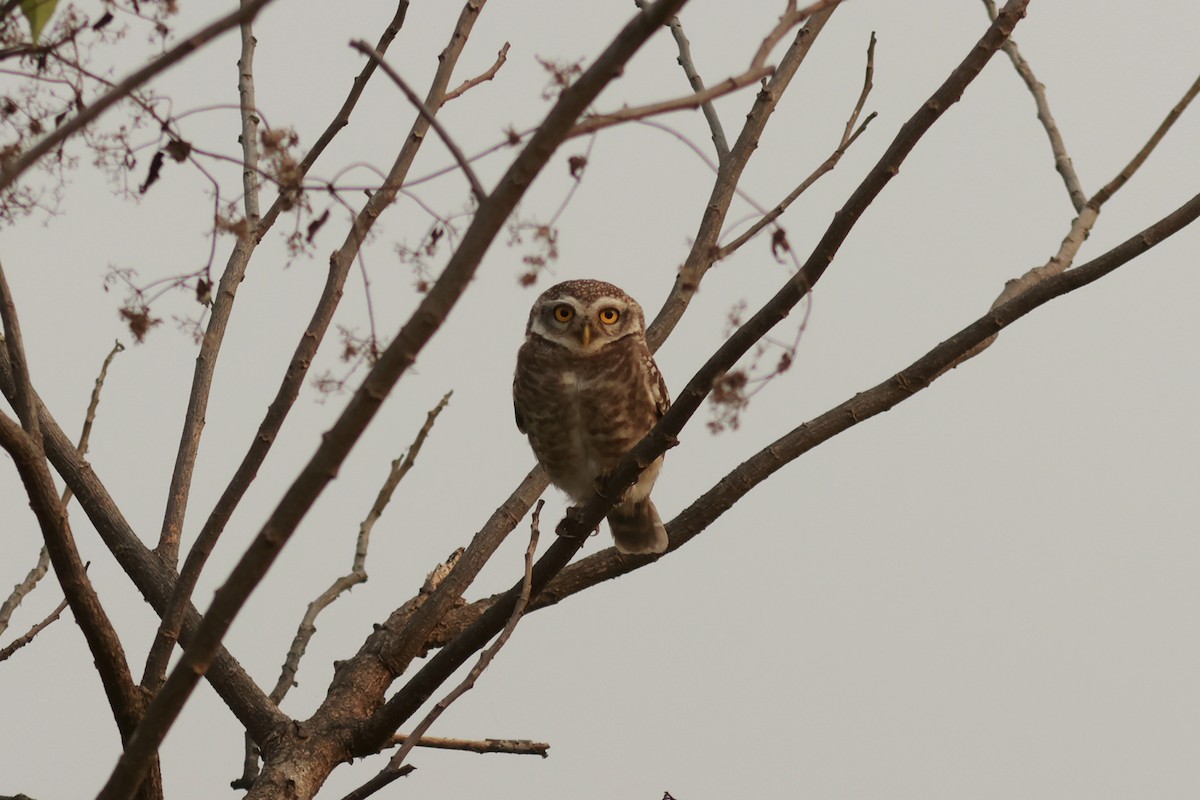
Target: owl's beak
{"x":586,"y":334}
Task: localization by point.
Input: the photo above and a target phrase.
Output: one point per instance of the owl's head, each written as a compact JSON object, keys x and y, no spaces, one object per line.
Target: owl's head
{"x":585,"y":316}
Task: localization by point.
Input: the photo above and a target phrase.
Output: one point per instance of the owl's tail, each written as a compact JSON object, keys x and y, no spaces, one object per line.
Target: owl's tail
{"x":637,"y":528}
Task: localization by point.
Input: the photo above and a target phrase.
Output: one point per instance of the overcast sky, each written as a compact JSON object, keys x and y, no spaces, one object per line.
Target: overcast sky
{"x":987,"y":592}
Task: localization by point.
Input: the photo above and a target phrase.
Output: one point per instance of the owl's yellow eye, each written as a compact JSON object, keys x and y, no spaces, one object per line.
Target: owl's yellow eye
{"x":609,"y":315}
{"x":563,"y":313}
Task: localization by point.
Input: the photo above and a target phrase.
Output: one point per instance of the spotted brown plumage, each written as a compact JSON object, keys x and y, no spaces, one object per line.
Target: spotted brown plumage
{"x":586,"y":390}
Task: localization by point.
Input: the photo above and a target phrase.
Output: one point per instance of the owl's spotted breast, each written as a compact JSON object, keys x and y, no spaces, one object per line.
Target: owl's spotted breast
{"x":586,"y":390}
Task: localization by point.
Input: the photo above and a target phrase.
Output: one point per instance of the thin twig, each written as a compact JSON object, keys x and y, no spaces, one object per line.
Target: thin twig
{"x":214,"y":335}
{"x":485,"y":658}
{"x":249,"y":115}
{"x":358,"y":570}
{"x":94,"y":108}
{"x":790,"y":18}
{"x":596,"y":122}
{"x":1082,"y":225}
{"x":1062,"y":161}
{"x":520,"y":747}
{"x":849,"y":136}
{"x":487,"y":75}
{"x":22,"y":589}
{"x":27,"y":585}
{"x":27,"y":637}
{"x":428,"y":114}
{"x":704,"y":244}
{"x":697,"y":83}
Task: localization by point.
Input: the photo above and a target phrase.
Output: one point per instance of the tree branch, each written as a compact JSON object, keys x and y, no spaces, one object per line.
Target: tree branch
{"x":471,"y":83}
{"x":693,"y":77}
{"x":848,"y":138}
{"x":16,"y":644}
{"x":729,"y":174}
{"x":90,"y":112}
{"x":413,"y":739}
{"x":152,"y":578}
{"x":310,"y":339}
{"x":1062,"y":161}
{"x":22,"y":589}
{"x":428,"y":114}
{"x":519,"y":747}
{"x":358,"y":571}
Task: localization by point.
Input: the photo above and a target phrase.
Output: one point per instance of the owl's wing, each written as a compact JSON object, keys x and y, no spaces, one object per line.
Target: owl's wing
{"x":658,"y":387}
{"x":518,"y":394}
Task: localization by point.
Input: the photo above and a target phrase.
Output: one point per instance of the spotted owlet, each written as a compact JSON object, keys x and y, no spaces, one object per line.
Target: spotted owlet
{"x":586,"y":390}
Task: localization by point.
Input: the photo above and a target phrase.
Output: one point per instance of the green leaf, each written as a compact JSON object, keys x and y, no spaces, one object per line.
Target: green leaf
{"x":38,"y":12}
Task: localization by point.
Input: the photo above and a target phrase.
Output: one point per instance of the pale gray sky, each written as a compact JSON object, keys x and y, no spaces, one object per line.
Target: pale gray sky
{"x":988,"y":592}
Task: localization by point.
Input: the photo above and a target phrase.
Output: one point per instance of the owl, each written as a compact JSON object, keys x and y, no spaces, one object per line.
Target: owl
{"x":586,"y":390}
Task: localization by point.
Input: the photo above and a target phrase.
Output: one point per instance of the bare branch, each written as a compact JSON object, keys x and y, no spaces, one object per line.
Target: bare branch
{"x":520,"y":747}
{"x":697,"y":84}
{"x":310,"y":340}
{"x":1062,"y":161}
{"x":485,"y":658}
{"x":848,"y":138}
{"x":428,"y":114}
{"x":98,"y":106}
{"x":490,"y":73}
{"x":22,"y":589}
{"x":249,"y":114}
{"x":790,"y":19}
{"x":222,"y":308}
{"x":16,"y":644}
{"x":152,"y":578}
{"x":1083,"y":224}
{"x":702,"y":254}
{"x":358,"y":571}
{"x":1111,"y":188}
{"x":596,"y":122}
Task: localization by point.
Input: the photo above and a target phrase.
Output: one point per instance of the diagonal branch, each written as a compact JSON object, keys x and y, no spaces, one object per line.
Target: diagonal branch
{"x":704,"y":246}
{"x":487,"y":75}
{"x":358,"y":571}
{"x":428,"y":114}
{"x":485,"y":658}
{"x":694,"y":80}
{"x":1062,"y":161}
{"x":16,"y":644}
{"x":27,"y":585}
{"x":92,"y":110}
{"x":153,"y":579}
{"x":849,"y":136}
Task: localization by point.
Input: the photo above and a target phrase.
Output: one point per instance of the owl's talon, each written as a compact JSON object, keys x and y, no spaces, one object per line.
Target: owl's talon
{"x":570,"y":518}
